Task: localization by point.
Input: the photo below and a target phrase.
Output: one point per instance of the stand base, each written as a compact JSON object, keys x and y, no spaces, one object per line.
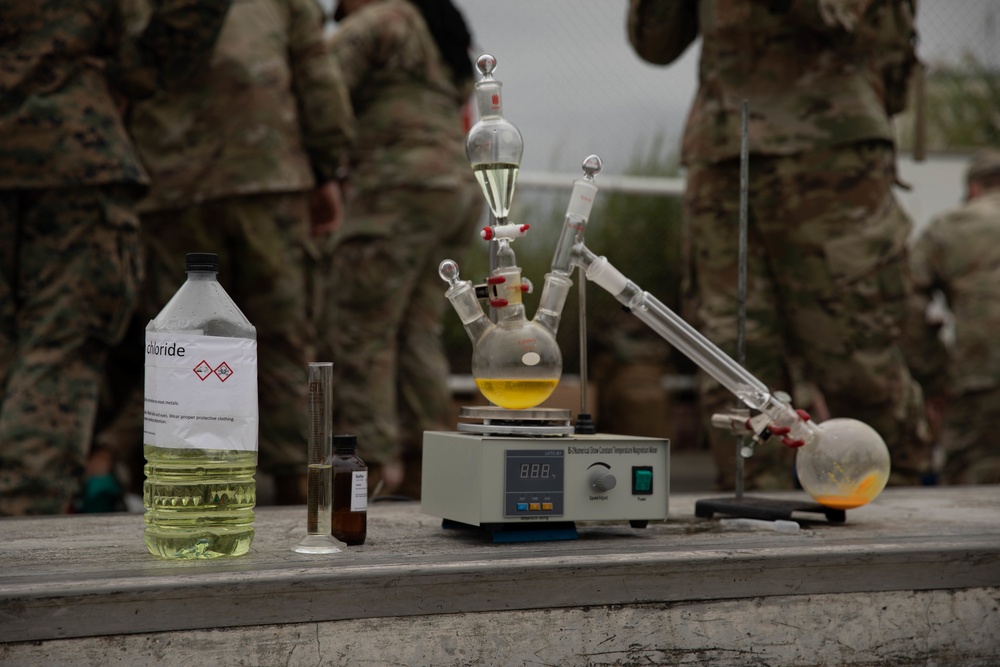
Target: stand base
{"x":319,"y":544}
{"x":768,"y":509}
{"x":502,"y":533}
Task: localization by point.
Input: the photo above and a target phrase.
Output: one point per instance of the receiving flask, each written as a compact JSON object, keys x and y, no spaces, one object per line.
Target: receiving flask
{"x":200,"y":421}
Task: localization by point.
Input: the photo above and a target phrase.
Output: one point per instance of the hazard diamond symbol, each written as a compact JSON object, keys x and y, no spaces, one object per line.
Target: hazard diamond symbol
{"x":224,"y":371}
{"x":203,"y":370}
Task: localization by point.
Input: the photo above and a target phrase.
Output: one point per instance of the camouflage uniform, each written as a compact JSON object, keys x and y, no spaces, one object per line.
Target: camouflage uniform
{"x":412,"y":201}
{"x":69,"y":260}
{"x":959,"y":254}
{"x":233,"y":159}
{"x":827,"y":277}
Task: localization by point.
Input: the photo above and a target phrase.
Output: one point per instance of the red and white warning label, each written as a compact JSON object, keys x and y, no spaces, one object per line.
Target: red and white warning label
{"x":201,"y":392}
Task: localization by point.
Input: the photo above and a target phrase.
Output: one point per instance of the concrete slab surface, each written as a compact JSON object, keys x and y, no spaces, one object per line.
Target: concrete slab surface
{"x":917,"y":563}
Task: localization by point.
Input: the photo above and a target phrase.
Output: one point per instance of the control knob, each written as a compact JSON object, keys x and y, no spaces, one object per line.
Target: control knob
{"x":602,"y":480}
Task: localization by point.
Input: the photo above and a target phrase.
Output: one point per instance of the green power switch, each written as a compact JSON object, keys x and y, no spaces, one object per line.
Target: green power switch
{"x":642,"y":480}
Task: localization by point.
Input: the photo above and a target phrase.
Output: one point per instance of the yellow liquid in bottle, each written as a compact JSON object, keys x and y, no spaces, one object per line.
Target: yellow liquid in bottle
{"x":199,"y":503}
{"x":516,"y":394}
{"x":862,"y":494}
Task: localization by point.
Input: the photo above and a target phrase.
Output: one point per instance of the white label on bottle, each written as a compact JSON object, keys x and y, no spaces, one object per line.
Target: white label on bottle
{"x":201,"y":392}
{"x":359,"y":491}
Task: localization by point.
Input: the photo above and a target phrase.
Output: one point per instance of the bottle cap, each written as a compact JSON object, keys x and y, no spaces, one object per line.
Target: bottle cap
{"x":202,"y":261}
{"x":345,"y":444}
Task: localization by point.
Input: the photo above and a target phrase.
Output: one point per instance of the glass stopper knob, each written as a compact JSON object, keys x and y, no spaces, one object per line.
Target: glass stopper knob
{"x":448,"y":270}
{"x":592,"y":166}
{"x":486,"y":64}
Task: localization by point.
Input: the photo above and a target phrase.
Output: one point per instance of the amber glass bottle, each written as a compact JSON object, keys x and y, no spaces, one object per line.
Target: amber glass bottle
{"x":350,"y":492}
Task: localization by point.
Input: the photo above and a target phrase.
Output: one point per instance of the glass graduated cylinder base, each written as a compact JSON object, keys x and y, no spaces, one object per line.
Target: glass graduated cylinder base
{"x":319,"y":544}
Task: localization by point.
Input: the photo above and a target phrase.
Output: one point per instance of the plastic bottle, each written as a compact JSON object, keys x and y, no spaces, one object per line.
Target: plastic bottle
{"x":200,"y":429}
{"x":350,"y":492}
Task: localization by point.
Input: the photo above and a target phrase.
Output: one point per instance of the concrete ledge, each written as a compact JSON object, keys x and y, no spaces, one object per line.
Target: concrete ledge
{"x":896,"y":629}
{"x":88,"y":576}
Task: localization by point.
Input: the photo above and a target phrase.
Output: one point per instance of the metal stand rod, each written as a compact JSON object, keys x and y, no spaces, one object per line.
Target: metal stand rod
{"x":584,"y":421}
{"x":492,"y":313}
{"x":582,"y":293}
{"x":741,"y":320}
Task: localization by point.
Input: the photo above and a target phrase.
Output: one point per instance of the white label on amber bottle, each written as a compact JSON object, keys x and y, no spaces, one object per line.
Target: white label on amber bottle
{"x":201,"y":392}
{"x":359,"y":491}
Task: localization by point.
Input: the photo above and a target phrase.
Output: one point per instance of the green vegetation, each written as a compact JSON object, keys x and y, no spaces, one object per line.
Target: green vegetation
{"x":962,"y":108}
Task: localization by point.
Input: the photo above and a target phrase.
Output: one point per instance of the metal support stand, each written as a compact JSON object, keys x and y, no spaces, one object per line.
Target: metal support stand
{"x":491,"y":266}
{"x":768,"y":509}
{"x":741,"y":506}
{"x":584,"y":421}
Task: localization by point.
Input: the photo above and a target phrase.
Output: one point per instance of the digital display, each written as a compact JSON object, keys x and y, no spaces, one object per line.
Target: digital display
{"x":533,"y":482}
{"x":536,"y":471}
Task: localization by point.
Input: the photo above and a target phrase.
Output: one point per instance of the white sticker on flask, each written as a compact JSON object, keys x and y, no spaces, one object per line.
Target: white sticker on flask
{"x":359,"y":491}
{"x":201,"y":392}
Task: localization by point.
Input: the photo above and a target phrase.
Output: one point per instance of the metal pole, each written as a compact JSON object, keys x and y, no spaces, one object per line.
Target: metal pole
{"x":742,"y":313}
{"x":582,"y":297}
{"x":584,"y":421}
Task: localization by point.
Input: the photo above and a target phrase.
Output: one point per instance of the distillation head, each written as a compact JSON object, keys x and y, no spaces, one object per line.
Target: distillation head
{"x":581,"y":202}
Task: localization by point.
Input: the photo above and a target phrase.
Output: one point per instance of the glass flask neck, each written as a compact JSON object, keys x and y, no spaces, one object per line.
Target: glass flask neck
{"x":488,"y":98}
{"x":511,"y":315}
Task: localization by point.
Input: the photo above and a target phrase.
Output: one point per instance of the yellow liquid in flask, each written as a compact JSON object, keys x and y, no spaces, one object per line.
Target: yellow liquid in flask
{"x":516,"y":394}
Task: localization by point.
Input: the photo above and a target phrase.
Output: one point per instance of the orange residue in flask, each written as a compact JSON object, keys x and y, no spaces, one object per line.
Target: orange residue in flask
{"x":863,"y":493}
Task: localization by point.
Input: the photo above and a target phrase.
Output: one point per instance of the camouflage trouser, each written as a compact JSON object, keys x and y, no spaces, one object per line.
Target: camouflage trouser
{"x":827,"y":283}
{"x":969,"y":439}
{"x":263,"y":247}
{"x":69,"y":275}
{"x":381,"y":323}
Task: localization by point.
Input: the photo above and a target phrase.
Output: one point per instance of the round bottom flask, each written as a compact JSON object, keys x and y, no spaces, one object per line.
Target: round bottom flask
{"x":517,"y":366}
{"x":846,"y":467}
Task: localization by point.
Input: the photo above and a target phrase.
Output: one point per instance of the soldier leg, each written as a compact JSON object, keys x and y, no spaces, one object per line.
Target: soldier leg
{"x":712,"y":211}
{"x":260,"y":241}
{"x":10,"y":217}
{"x":839,"y":247}
{"x":370,"y":282}
{"x":969,"y":439}
{"x":118,"y":429}
{"x":75,"y":286}
{"x":166,"y":238}
{"x":267,"y":262}
{"x":445,"y":224}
